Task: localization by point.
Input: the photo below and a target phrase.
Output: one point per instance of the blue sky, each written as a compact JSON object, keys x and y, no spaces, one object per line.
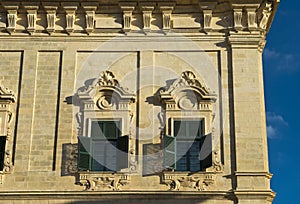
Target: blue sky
{"x":282,"y":82}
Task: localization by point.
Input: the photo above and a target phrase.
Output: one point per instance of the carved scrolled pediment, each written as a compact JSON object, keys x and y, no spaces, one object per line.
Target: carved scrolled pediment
{"x":187,"y":93}
{"x":7,"y":95}
{"x":107,"y":94}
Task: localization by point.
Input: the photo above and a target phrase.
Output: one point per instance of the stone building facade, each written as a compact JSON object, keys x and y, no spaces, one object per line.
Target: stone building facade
{"x":116,"y":101}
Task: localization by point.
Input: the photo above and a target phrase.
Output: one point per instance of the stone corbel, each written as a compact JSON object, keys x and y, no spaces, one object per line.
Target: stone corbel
{"x":266,"y":12}
{"x":207,"y":8}
{"x":51,"y":17}
{"x":89,"y":17}
{"x":238,"y":16}
{"x":166,"y":10}
{"x":31,"y":18}
{"x":103,"y":181}
{"x":12,"y":15}
{"x":184,"y":182}
{"x":251,"y":17}
{"x":70,"y":17}
{"x":127,"y":9}
{"x":207,"y":17}
{"x":147,"y":9}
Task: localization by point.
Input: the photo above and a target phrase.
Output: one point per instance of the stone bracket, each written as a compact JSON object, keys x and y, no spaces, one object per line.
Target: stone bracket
{"x":51,"y":16}
{"x":147,"y":9}
{"x":184,"y":182}
{"x":94,"y":181}
{"x":166,"y":10}
{"x":31,"y":18}
{"x":90,"y":10}
{"x":127,"y":8}
{"x":70,"y":17}
{"x":207,"y":8}
{"x":12,"y":15}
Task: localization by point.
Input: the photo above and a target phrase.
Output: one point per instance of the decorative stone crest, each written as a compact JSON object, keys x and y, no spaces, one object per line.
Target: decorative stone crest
{"x":182,"y":182}
{"x":188,"y":93}
{"x":107,"y":94}
{"x":103,"y":182}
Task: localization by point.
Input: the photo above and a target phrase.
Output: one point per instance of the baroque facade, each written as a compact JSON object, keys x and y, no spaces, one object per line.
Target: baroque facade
{"x":116,"y":101}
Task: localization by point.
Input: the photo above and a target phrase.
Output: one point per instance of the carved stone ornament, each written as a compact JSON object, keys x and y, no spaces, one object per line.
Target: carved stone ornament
{"x":266,"y":12}
{"x":183,"y":182}
{"x":166,"y":10}
{"x":188,"y":93}
{"x":103,"y":181}
{"x":106,"y":93}
{"x":90,"y":16}
{"x":51,"y":17}
{"x":7,"y":97}
{"x":31,"y":18}
{"x":147,"y":9}
{"x":12,"y":15}
{"x":251,"y":14}
{"x":237,"y":16}
{"x":70,"y":18}
{"x":127,"y":8}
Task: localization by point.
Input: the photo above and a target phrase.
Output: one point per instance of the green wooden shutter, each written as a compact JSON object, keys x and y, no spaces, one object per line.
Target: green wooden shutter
{"x":111,"y":129}
{"x":169,"y":152}
{"x":84,"y":153}
{"x":97,"y":130}
{"x":206,"y":151}
{"x":122,"y":153}
{"x":2,"y":151}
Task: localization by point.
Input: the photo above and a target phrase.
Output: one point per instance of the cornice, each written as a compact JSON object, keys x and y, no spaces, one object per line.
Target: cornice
{"x":207,"y":16}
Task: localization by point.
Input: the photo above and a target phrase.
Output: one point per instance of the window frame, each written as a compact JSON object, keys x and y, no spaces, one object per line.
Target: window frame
{"x":93,"y":140}
{"x":189,"y":140}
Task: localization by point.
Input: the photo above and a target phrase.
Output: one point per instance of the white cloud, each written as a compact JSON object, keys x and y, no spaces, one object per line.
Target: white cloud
{"x":271,"y":132}
{"x":275,"y":124}
{"x":277,"y":119}
{"x":282,"y":61}
{"x":271,"y":53}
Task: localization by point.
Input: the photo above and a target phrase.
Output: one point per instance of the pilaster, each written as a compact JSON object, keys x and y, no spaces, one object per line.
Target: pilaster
{"x":252,"y":169}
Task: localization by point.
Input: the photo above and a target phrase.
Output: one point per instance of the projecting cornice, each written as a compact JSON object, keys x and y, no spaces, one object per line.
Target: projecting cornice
{"x":140,"y":16}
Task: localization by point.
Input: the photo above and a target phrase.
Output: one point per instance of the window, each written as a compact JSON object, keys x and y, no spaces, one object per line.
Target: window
{"x":105,"y":149}
{"x":2,"y":151}
{"x":188,"y":149}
